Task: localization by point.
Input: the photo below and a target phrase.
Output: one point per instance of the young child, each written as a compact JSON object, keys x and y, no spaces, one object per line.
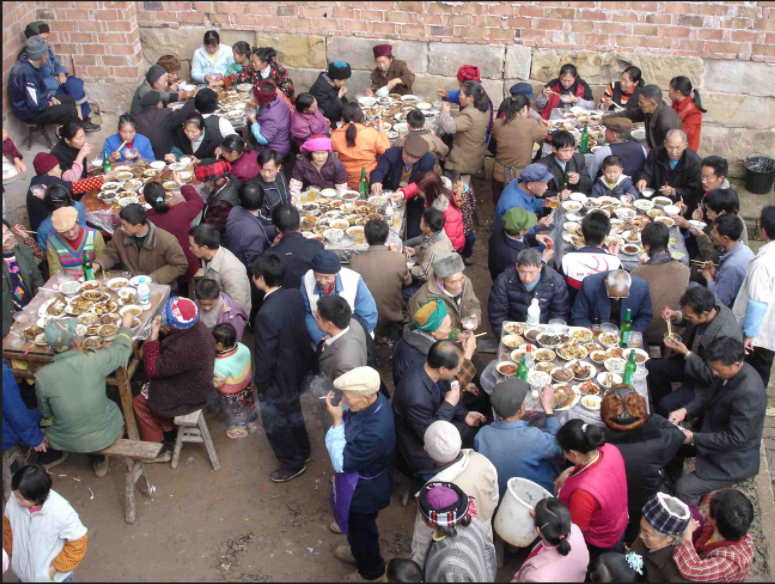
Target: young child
{"x":233,"y":377}
{"x":466,"y":200}
{"x":403,"y":570}
{"x":613,"y":183}
{"x":50,"y":538}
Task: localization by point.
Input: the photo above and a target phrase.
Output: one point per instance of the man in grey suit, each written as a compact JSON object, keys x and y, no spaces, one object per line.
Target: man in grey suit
{"x":344,"y":347}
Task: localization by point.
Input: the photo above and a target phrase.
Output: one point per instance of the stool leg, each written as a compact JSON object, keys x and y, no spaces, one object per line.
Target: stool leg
{"x":30,"y":135}
{"x":178,"y":447}
{"x":45,"y":136}
{"x":141,"y":478}
{"x":131,"y":510}
{"x":209,"y":443}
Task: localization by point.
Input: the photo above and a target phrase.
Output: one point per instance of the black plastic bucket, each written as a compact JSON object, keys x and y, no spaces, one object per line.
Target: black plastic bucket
{"x":759,"y":174}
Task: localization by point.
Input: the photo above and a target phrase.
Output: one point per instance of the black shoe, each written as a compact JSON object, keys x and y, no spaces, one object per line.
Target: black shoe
{"x":468,"y":260}
{"x":282,"y":475}
{"x":51,"y":458}
{"x":90,"y":128}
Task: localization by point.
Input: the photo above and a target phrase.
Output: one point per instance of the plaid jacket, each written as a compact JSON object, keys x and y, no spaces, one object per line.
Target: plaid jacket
{"x":714,"y":562}
{"x":278,"y":75}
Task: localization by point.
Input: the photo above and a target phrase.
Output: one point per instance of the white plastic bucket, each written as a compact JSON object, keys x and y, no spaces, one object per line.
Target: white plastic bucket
{"x":513,"y":522}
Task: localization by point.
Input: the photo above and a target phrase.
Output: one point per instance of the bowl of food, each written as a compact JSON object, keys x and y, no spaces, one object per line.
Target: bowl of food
{"x":110,"y":186}
{"x":94,"y":295}
{"x":677,"y":255}
{"x":607,"y":379}
{"x":551,"y":340}
{"x":93,"y":329}
{"x":545,"y":366}
{"x":132,"y":185}
{"x":110,"y":318}
{"x":351,"y":195}
{"x":676,"y":338}
{"x":105,"y":307}
{"x":598,"y":357}
{"x":507,"y":368}
{"x":532,"y":335}
{"x":333,"y":235}
{"x":127,"y":296}
{"x":70,"y":288}
{"x":545,"y":355}
{"x":630,"y":249}
{"x":562,"y":374}
{"x":32,"y":332}
{"x":108,"y":331}
{"x":87,"y":318}
{"x":169,"y":185}
{"x":701,"y":225}
{"x":513,"y":341}
{"x":587,"y":388}
{"x":615,"y":353}
{"x":158,"y":165}
{"x":643,"y":205}
{"x":133,"y":309}
{"x":581,"y":370}
{"x":671,"y":210}
{"x":564,"y":397}
{"x":126,"y":201}
{"x":572,"y":206}
{"x":591,"y":402}
{"x":609,"y":339}
{"x":514,"y":328}
{"x":624,"y":213}
{"x":116,"y":284}
{"x":641,"y":356}
{"x":581,"y":334}
{"x":94,"y":343}
{"x":124,"y":176}
{"x":571,"y":226}
{"x":662,"y":201}
{"x":571,"y":350}
{"x":615,"y":365}
{"x":538,"y":378}
{"x":367,"y":101}
{"x":516,"y":354}
{"x":340,"y":224}
{"x":244,"y":87}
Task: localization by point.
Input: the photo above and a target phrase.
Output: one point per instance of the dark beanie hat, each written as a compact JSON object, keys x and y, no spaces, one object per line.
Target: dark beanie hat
{"x":154,"y":73}
{"x":150,"y":99}
{"x":339,"y":70}
{"x":326,"y":262}
{"x":35,"y":28}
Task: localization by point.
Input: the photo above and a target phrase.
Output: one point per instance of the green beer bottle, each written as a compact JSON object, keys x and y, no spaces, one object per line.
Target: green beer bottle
{"x":625,"y":329}
{"x":584,"y":146}
{"x":106,"y":164}
{"x":629,"y":368}
{"x":363,"y":186}
{"x":87,"y":267}
{"x":522,"y":371}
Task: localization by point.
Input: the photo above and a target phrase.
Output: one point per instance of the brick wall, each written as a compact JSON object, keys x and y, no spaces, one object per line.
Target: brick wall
{"x":16,"y":16}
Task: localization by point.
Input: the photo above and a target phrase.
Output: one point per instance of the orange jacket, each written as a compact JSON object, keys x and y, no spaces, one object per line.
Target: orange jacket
{"x":692,"y":121}
{"x":369,"y":143}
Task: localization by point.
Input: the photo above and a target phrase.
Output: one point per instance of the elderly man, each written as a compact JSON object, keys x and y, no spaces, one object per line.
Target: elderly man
{"x":732,"y":409}
{"x":511,"y":237}
{"x":472,"y":472}
{"x":621,"y":144}
{"x":714,"y":176}
{"x":67,"y":246}
{"x":71,"y":390}
{"x":609,"y":297}
{"x":360,"y":444}
{"x":157,"y":79}
{"x":295,"y":250}
{"x":515,"y":289}
{"x":568,"y":168}
{"x":158,"y":123}
{"x":142,"y":248}
{"x":390,"y":72}
{"x":219,"y":264}
{"x":326,"y":278}
{"x":450,"y":284}
{"x":673,"y":170}
{"x":725,"y":280}
{"x":526,"y":192}
{"x":706,"y":319}
{"x":659,"y":117}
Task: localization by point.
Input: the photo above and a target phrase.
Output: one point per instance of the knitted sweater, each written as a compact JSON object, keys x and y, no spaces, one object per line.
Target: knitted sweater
{"x":467,"y":557}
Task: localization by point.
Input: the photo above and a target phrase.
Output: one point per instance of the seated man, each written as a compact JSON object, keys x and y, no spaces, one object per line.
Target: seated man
{"x":568,"y":168}
{"x":385,"y":273}
{"x":56,"y":77}
{"x":418,"y":127}
{"x":157,"y":79}
{"x":608,"y":297}
{"x":71,"y":390}
{"x":728,"y":442}
{"x":216,"y":307}
{"x":295,"y":250}
{"x":273,"y":181}
{"x":619,"y":143}
{"x":67,"y":247}
{"x":326,"y":278}
{"x":344,"y":348}
{"x":527,"y":192}
{"x":513,"y":236}
{"x":706,"y":319}
{"x":425,"y":248}
{"x":424,"y":396}
{"x":725,"y":280}
{"x":21,"y":277}
{"x":515,"y":448}
{"x":593,"y":258}
{"x":515,"y":289}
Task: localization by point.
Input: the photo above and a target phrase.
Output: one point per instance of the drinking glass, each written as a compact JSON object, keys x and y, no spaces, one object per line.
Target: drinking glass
{"x":636,"y":340}
{"x":313,"y":193}
{"x":396,"y":220}
{"x":553,"y":203}
{"x":673,"y":336}
{"x":469,"y":323}
{"x":596,"y":330}
{"x":360,"y":238}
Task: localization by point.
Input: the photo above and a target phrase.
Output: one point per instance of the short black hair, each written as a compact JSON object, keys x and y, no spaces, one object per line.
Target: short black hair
{"x":133,"y":214}
{"x":206,"y":235}
{"x":733,"y":513}
{"x":434,"y":219}
{"x":613,"y":567}
{"x":56,"y":197}
{"x":206,"y":101}
{"x":233,"y":143}
{"x":403,"y":570}
{"x":722,"y":201}
{"x":612,"y":160}
{"x":699,"y":298}
{"x":595,"y":227}
{"x":719,"y":165}
{"x":444,"y":354}
{"x":727,"y":350}
{"x":304,"y":101}
{"x":251,"y":196}
{"x":155,"y":194}
{"x":207,"y":289}
{"x":336,"y":310}
{"x":225,"y":334}
{"x":415,"y":119}
{"x":569,"y":69}
{"x":126,"y":119}
{"x":33,"y":483}
{"x":657,"y":236}
{"x":270,"y":266}
{"x":729,"y":225}
{"x":453,"y":175}
{"x":767,"y":221}
{"x":286,"y":218}
{"x":376,"y":231}
{"x":268,"y":155}
{"x":563,"y":138}
{"x":581,"y":437}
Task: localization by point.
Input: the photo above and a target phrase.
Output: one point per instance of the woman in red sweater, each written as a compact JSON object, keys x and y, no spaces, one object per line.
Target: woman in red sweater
{"x":686,"y":103}
{"x":595,"y":488}
{"x":429,"y":186}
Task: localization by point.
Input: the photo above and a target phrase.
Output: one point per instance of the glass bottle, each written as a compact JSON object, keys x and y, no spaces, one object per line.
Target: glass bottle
{"x":363,"y":186}
{"x":88,"y":274}
{"x":629,"y":369}
{"x":522,"y":371}
{"x":625,"y":329}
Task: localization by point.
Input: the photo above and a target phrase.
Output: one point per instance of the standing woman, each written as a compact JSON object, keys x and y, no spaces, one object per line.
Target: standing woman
{"x":330,"y":92}
{"x":272,"y":127}
{"x":390,"y":72}
{"x":512,"y":142}
{"x":624,"y":92}
{"x":308,"y":119}
{"x":211,"y":59}
{"x":72,"y":149}
{"x":567,"y":84}
{"x":469,"y":127}
{"x":595,"y":488}
{"x":686,"y":103}
{"x":137,"y":145}
{"x":357,"y":145}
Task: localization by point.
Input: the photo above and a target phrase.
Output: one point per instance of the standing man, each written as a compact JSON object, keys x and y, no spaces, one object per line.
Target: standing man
{"x":391,"y":73}
{"x":295,"y":250}
{"x":283,"y":359}
{"x":726,"y":280}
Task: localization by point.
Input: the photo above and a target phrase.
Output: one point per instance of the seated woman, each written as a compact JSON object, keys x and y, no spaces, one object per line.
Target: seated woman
{"x":686,"y":103}
{"x":308,"y":120}
{"x":567,"y":90}
{"x":595,"y":488}
{"x":211,"y":59}
{"x":192,"y":140}
{"x":136,"y":146}
{"x":262,"y":68}
{"x":180,"y":371}
{"x":272,"y":127}
{"x":21,"y":277}
{"x":240,"y":52}
{"x":625,"y":92}
{"x":469,"y":127}
{"x":71,"y":242}
{"x":357,"y":145}
{"x":433,"y":242}
{"x":317,"y":166}
{"x":72,"y":150}
{"x":436,"y":195}
{"x":330,"y":91}
{"x":56,"y":197}
{"x":243,"y":159}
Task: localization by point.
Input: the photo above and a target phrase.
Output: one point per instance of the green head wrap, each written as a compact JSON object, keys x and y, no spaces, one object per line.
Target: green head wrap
{"x":429,"y":318}
{"x":60,"y":333}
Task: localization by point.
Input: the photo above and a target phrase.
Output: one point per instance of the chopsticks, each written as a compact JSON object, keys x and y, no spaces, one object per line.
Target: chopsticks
{"x":120,"y":147}
{"x":701,"y":263}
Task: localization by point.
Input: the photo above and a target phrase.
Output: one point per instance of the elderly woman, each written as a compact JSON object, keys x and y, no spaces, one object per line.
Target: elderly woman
{"x":358,"y":146}
{"x":308,"y":119}
{"x":391,"y":73}
{"x":211,"y":59}
{"x":686,"y":103}
{"x":664,"y":519}
{"x":565,"y":91}
{"x":317,"y":166}
{"x":360,"y":443}
{"x":461,"y":551}
{"x":180,"y":369}
{"x":135,"y":146}
{"x":646,"y":442}
{"x":469,"y":127}
{"x":158,"y":79}
{"x":272,"y":127}
{"x":21,"y":277}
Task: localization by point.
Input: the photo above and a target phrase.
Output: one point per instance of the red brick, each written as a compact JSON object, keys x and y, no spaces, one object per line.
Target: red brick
{"x":724,"y":47}
{"x":640,"y":41}
{"x":97,"y":71}
{"x":120,"y":26}
{"x":546,"y":24}
{"x":75,"y":14}
{"x":674,"y":32}
{"x":598,"y":40}
{"x":343,"y":13}
{"x":105,"y":15}
{"x":411,"y":7}
{"x":642,"y":6}
{"x":489,"y":21}
{"x":120,"y":49}
{"x":771,"y":13}
{"x":442,"y":31}
{"x":735,"y":23}
{"x":762,"y":24}
{"x":500,"y":33}
{"x":111,"y":37}
{"x":87,"y":5}
{"x":743,"y":36}
{"x":375,"y":16}
{"x":689,"y":45}
{"x":207,"y":6}
{"x":68,"y":49}
{"x":93,"y":49}
{"x":92,"y":26}
{"x":230,"y":7}
{"x":710,"y":34}
{"x":382,"y":5}
{"x":356,"y":25}
{"x":583,"y":4}
{"x":84,"y":60}
{"x":437,"y":7}
{"x":111,"y":60}
{"x":645,"y":30}
{"x":412,"y":29}
{"x":384,"y":27}
{"x":403,"y":17}
{"x":518,"y":22}
{"x":578,"y":26}
{"x":565,"y":13}
{"x":715,"y":10}
{"x":532,"y":34}
{"x":612,"y":28}
{"x":82,"y":37}
{"x":313,"y":11}
{"x":690,"y":20}
{"x":193,"y":17}
{"x":530,"y":11}
{"x":658,"y":19}
{"x":219,"y":18}
{"x":459,"y":19}
{"x":768,"y":49}
{"x":260,"y":8}
{"x":426,"y":18}
{"x":628,"y":17}
{"x":749,"y":12}
{"x":125,"y":71}
{"x":592,"y":15}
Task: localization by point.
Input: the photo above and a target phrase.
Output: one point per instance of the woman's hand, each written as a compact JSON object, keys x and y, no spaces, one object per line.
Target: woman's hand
{"x":368,"y":93}
{"x":111,"y":176}
{"x":195,"y":161}
{"x":169,"y":158}
{"x":544,"y":124}
{"x":176,"y":177}
{"x":116,"y":155}
{"x":410,"y":251}
{"x":252,"y":118}
{"x":560,"y":480}
{"x":127,"y":319}
{"x":446,"y":106}
{"x":443,"y":93}
{"x":19,"y":231}
{"x":546,"y":91}
{"x":573,"y":99}
{"x":641,"y":184}
{"x":85,"y":150}
{"x":376,"y":189}
{"x":155,"y":328}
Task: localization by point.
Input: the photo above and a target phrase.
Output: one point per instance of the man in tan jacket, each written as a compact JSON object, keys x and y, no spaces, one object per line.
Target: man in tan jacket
{"x":143,"y":248}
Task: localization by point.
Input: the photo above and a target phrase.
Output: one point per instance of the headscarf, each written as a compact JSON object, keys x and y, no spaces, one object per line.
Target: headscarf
{"x":265,"y":92}
{"x":429,"y":318}
{"x":180,"y":313}
{"x":206,"y":171}
{"x":316,"y":144}
{"x":468,"y":73}
{"x":445,"y":504}
{"x":60,"y":333}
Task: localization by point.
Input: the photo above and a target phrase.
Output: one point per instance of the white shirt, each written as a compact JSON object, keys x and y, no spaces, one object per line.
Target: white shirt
{"x":332,"y":339}
{"x":224,"y":125}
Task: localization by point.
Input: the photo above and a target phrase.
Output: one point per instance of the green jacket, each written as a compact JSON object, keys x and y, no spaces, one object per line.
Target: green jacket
{"x":30,"y":274}
{"x":72,"y":391}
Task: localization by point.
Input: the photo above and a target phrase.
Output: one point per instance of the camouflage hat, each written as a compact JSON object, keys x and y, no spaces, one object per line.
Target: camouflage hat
{"x":60,"y":334}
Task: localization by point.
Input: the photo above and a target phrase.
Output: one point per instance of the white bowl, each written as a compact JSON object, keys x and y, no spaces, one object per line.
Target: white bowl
{"x":70,"y":288}
{"x":580,"y":197}
{"x":647,"y":192}
{"x":672,"y":210}
{"x":638,"y":352}
{"x":128,"y":201}
{"x":591,"y":402}
{"x":615,"y":365}
{"x":158,"y":165}
{"x":698,"y":224}
{"x":643,"y":204}
{"x":601,"y":379}
{"x":133,"y":308}
{"x":367,"y":101}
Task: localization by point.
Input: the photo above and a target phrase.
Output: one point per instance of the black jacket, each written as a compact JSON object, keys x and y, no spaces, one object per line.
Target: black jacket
{"x":410,"y":350}
{"x":575,"y":164}
{"x":503,"y":251}
{"x":283,"y":351}
{"x":296,"y":252}
{"x":685,"y":178}
{"x":36,"y":210}
{"x":211,"y":140}
{"x":391,"y":164}
{"x":160,"y":126}
{"x":509,"y":299}
{"x":646,"y":451}
{"x":657,"y":124}
{"x":328,"y":101}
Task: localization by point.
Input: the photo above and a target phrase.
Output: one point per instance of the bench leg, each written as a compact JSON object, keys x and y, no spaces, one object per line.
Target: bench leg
{"x":30,"y":135}
{"x":209,"y":443}
{"x":178,"y":447}
{"x":45,"y":136}
{"x":131,"y":510}
{"x":140,"y":475}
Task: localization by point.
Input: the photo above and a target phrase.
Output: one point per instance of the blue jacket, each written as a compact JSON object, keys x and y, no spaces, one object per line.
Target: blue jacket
{"x":201,"y":64}
{"x":47,"y":228}
{"x":623,"y":187}
{"x":391,"y":164}
{"x":519,"y":450}
{"x":50,"y":70}
{"x":141,"y":144}
{"x":19,"y":423}
{"x":27,"y":90}
{"x":509,"y":299}
{"x":514,"y":196}
{"x":593,"y":302}
{"x":247,"y":236}
{"x":731,"y":273}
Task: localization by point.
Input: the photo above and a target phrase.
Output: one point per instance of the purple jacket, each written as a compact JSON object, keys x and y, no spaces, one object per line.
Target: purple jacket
{"x":246,"y":168}
{"x":305,"y":125}
{"x":232,"y":313}
{"x":275,"y":120}
{"x":333,"y":172}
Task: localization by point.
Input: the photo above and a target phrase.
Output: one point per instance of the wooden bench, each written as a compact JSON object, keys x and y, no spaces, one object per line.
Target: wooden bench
{"x":135,"y":453}
{"x":193,"y":428}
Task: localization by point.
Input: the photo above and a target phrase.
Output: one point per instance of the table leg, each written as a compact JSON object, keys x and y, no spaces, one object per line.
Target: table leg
{"x":125,"y":391}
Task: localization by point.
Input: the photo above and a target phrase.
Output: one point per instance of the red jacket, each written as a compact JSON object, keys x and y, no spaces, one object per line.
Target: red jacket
{"x":724,"y":561}
{"x":453,"y":217}
{"x":554,"y":99}
{"x":246,"y":168}
{"x":692,"y":120}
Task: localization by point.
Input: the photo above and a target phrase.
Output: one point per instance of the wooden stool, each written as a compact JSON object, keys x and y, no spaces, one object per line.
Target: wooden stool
{"x":37,"y":130}
{"x":13,"y":454}
{"x":135,"y":453}
{"x":193,"y":428}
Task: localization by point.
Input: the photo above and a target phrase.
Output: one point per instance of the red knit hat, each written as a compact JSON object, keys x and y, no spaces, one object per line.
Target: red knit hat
{"x":468,"y":73}
{"x":383,"y":51}
{"x":43,"y":162}
{"x":265,"y":92}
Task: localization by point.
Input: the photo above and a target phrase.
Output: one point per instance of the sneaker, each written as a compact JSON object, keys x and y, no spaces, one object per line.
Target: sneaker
{"x":283,"y":475}
{"x":90,"y":128}
{"x":164,"y":456}
{"x":100,"y":466}
{"x":334,"y":527}
{"x":51,"y":464}
{"x":468,"y":260}
{"x":344,"y":554}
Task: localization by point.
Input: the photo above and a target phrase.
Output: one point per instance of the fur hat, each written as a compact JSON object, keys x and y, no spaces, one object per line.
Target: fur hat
{"x":623,"y":409}
{"x":442,"y":441}
{"x":448,"y":264}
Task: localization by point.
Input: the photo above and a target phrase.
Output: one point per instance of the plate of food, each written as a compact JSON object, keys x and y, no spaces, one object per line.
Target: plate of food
{"x":328,"y":193}
{"x":643,"y":204}
{"x":614,"y":353}
{"x":110,"y":318}
{"x":624,"y":213}
{"x":591,"y":402}
{"x":410,"y":99}
{"x":551,"y":340}
{"x":70,"y":288}
{"x":513,"y":341}
{"x":126,"y":201}
{"x":532,"y":335}
{"x":104,"y":307}
{"x":582,"y":371}
{"x":564,"y":397}
{"x":90,"y":285}
{"x":339,"y":224}
{"x":132,"y":185}
{"x":641,"y":356}
{"x":333,"y":235}
{"x":562,"y":374}
{"x":127,"y":296}
{"x":608,"y":339}
{"x":122,"y":177}
{"x":571,"y":351}
{"x":571,"y":226}
{"x":662,"y":201}
{"x":116,"y":284}
{"x":367,"y":101}
{"x":615,"y":365}
{"x":123,"y":168}
{"x":507,"y":368}
{"x":545,"y":355}
{"x":607,"y":379}
{"x":351,"y":195}
{"x":55,"y":306}
{"x":94,"y":295}
{"x":87,"y":318}
{"x":598,"y":357}
{"x":516,"y":354}
{"x":587,"y":388}
{"x":94,"y":343}
{"x":545,"y":366}
{"x":110,"y":186}
{"x":572,"y":205}
{"x":244,"y":87}
{"x":423,"y":105}
{"x":32,"y":332}
{"x":514,"y":328}
{"x":581,"y":334}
